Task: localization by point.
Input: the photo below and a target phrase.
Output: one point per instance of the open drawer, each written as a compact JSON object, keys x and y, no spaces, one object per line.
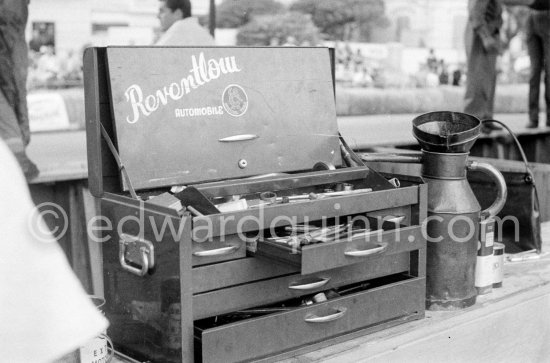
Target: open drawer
{"x":237,"y":337}
{"x":325,"y":256}
{"x":370,"y":192}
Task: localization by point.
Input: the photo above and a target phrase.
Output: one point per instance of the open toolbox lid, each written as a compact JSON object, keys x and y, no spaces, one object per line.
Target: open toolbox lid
{"x":183,"y":115}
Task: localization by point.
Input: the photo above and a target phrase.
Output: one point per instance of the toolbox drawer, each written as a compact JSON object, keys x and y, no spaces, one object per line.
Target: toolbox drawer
{"x":286,"y":287}
{"x":325,"y":256}
{"x":277,"y":332}
{"x":208,"y":252}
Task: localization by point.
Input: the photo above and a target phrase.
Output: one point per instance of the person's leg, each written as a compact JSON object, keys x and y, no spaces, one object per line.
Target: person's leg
{"x":10,"y":132}
{"x":547,"y":89}
{"x":490,"y":82}
{"x":480,"y":82}
{"x":544,"y":33}
{"x":14,"y":121}
{"x":21,"y":61}
{"x":534,"y":48}
{"x":475,"y":99}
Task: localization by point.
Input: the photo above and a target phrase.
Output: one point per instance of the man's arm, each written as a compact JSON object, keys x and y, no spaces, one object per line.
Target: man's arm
{"x":477,"y":12}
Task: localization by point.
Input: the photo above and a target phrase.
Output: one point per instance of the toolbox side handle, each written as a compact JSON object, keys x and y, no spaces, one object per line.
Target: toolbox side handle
{"x":146,"y":253}
{"x":216,"y":252}
{"x":312,"y":318}
{"x":310,"y":285}
{"x":371,"y":251}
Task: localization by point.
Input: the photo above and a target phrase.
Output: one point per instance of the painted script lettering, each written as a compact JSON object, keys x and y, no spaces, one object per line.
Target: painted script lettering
{"x":202,"y":72}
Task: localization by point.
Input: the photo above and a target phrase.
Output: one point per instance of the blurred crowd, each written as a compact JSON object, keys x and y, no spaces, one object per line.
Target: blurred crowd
{"x":353,"y":68}
{"x":435,"y":71}
{"x":48,"y":69}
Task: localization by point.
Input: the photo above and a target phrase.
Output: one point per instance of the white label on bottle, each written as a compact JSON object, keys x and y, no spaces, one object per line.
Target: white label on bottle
{"x":484,"y":271}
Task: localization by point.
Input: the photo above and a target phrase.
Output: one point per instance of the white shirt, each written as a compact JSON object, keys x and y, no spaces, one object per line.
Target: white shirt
{"x":44,"y":311}
{"x":187,"y":31}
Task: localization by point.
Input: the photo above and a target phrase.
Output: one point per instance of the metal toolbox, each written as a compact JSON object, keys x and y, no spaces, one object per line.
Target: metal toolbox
{"x":309,"y":246}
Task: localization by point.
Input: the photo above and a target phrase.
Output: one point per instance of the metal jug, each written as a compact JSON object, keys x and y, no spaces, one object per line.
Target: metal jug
{"x":454,"y":214}
{"x":454,"y":238}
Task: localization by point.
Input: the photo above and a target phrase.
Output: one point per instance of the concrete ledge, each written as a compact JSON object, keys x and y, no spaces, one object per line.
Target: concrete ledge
{"x":374,"y":101}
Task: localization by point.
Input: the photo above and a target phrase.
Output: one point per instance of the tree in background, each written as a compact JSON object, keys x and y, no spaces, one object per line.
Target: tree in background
{"x":345,"y":19}
{"x":277,"y":29}
{"x":236,"y":13}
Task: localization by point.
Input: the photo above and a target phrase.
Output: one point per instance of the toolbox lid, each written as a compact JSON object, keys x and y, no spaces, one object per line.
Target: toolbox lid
{"x":184,"y":115}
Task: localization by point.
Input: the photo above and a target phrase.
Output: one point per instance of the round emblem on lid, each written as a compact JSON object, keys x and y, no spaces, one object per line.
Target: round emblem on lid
{"x":235,"y":100}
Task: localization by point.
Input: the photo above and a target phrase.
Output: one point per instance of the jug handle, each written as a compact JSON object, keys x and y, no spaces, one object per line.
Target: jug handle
{"x":502,"y":190}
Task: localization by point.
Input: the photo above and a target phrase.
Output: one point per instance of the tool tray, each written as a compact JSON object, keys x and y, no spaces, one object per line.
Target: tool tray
{"x":262,"y":133}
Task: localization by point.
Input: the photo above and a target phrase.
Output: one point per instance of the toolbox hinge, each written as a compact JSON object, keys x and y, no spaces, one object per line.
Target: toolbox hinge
{"x":118,"y":161}
{"x":349,"y":156}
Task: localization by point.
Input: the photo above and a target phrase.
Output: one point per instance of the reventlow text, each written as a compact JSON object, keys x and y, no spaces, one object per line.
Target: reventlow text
{"x":202,"y":71}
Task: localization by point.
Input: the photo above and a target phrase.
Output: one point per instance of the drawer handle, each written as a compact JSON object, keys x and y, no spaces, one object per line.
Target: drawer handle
{"x":243,"y":137}
{"x":310,"y":285}
{"x":217,"y":252}
{"x":324,"y":319}
{"x":371,"y":251}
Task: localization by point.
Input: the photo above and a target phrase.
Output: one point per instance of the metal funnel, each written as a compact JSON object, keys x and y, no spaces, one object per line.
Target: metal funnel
{"x":446,"y":132}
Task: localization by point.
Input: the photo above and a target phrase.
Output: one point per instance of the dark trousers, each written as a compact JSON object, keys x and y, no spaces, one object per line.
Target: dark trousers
{"x":481,"y":77}
{"x":538,"y":46}
{"x":14,"y":120}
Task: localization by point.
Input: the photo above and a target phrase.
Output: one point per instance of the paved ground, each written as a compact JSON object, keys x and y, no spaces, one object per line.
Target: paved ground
{"x":62,"y":155}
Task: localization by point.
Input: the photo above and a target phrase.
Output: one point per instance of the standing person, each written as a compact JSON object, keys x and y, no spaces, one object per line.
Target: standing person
{"x":431,"y":61}
{"x":538,"y":46}
{"x":14,"y":119}
{"x":482,"y":41}
{"x":178,"y":27}
{"x":457,"y":75}
{"x":443,"y":73}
